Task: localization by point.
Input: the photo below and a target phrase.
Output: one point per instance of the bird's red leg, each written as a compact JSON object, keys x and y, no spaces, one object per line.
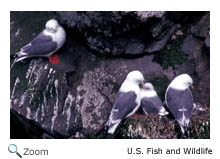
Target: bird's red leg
{"x":54,"y":59}
{"x":136,"y":116}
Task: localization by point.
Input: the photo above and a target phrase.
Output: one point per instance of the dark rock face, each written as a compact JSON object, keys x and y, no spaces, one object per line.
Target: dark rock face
{"x":201,"y":29}
{"x":193,"y":46}
{"x":21,"y":128}
{"x":121,"y":33}
{"x":73,"y":99}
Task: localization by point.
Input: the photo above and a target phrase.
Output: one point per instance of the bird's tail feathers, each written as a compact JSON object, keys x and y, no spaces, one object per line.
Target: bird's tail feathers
{"x":186,"y":131}
{"x":163,"y":112}
{"x":185,"y":126}
{"x":20,"y":56}
{"x":111,"y":126}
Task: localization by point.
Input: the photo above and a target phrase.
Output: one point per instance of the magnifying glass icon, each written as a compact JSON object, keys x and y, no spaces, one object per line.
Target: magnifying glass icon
{"x":12,"y":148}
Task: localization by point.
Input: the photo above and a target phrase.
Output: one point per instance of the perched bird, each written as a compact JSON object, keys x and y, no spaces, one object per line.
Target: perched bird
{"x":150,"y":101}
{"x":179,"y":100}
{"x":44,"y":44}
{"x":127,"y":101}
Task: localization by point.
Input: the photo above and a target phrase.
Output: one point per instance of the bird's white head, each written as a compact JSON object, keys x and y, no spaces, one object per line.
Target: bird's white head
{"x":182,"y":81}
{"x":148,"y":87}
{"x":52,"y":25}
{"x":147,"y":90}
{"x":136,"y":77}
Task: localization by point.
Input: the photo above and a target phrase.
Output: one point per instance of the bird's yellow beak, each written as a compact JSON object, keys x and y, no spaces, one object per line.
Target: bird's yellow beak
{"x":191,"y":87}
{"x":141,"y":84}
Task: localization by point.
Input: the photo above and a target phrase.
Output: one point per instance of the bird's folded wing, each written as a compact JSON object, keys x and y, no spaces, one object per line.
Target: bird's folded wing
{"x":179,"y":101}
{"x":40,"y":48}
{"x":124,"y":104}
{"x":41,"y":38}
{"x":150,"y":106}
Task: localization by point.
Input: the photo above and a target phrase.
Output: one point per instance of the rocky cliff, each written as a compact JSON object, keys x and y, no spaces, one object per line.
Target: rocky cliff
{"x":73,"y":99}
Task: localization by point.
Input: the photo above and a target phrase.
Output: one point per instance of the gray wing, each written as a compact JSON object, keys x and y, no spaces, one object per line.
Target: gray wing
{"x":41,"y":38}
{"x":151,"y":105}
{"x":41,"y":45}
{"x":180,"y":103}
{"x":124,"y":104}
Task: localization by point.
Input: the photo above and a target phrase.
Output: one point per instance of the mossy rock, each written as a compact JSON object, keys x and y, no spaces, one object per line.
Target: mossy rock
{"x":172,"y":54}
{"x":162,"y":127}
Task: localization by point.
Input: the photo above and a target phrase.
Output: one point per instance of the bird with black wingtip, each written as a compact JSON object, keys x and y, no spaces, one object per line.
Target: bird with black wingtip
{"x":44,"y":44}
{"x":127,"y":101}
{"x":179,"y":100}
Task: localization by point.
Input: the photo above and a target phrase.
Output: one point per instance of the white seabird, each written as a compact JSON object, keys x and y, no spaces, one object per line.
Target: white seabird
{"x":179,"y":100}
{"x":44,"y":44}
{"x":127,"y":101}
{"x":150,"y":101}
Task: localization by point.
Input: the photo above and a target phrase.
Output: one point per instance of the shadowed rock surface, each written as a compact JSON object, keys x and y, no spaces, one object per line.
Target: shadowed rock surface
{"x":73,"y":99}
{"x":121,"y":33}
